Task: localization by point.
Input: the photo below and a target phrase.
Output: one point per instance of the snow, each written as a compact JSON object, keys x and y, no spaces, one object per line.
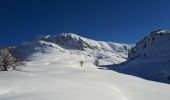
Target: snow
{"x":52,"y":70}
{"x":56,"y":74}
{"x":109,"y":52}
{"x":69,"y":81}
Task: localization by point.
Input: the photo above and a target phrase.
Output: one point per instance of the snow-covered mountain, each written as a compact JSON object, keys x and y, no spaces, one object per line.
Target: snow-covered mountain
{"x":150,"y":58}
{"x":53,"y":72}
{"x":106,"y":52}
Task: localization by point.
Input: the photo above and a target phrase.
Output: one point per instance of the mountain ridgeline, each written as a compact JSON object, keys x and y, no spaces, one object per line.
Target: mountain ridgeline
{"x":106,"y":52}
{"x":149,"y":58}
{"x":73,"y":41}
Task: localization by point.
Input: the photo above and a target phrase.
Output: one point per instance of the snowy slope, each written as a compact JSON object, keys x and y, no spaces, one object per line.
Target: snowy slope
{"x":53,"y":72}
{"x":150,"y":58}
{"x":68,"y":81}
{"x":106,"y":52}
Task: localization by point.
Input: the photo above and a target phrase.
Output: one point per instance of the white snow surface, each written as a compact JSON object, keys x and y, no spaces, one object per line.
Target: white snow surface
{"x":62,"y":78}
{"x":53,"y":71}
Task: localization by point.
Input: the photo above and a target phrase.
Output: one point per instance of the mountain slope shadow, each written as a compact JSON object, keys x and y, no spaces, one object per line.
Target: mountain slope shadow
{"x":157,"y":74}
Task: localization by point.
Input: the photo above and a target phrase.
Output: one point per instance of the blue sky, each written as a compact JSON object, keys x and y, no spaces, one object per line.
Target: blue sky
{"x":125,"y":21}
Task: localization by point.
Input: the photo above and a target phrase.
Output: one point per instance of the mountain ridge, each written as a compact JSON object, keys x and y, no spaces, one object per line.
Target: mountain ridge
{"x":150,"y":58}
{"x":109,"y":52}
{"x":144,"y":59}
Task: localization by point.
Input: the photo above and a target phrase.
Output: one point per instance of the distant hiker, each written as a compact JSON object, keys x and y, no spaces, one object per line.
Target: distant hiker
{"x":81,"y":63}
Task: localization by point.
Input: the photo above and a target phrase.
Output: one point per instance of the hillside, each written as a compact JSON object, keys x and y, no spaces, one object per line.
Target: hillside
{"x":106,"y":52}
{"x":65,"y":79}
{"x":52,"y":69}
{"x":150,"y":58}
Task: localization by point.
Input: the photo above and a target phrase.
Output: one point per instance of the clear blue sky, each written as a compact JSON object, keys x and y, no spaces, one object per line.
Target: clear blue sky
{"x":125,"y":21}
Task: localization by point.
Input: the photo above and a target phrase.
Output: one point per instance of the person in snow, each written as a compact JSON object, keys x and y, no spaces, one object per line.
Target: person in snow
{"x":81,"y":63}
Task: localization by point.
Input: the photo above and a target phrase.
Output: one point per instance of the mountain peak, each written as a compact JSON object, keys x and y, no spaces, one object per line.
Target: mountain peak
{"x":55,"y":38}
{"x":69,"y":34}
{"x":158,"y":32}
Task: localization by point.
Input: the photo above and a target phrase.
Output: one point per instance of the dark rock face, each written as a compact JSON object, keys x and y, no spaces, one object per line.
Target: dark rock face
{"x":68,"y":41}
